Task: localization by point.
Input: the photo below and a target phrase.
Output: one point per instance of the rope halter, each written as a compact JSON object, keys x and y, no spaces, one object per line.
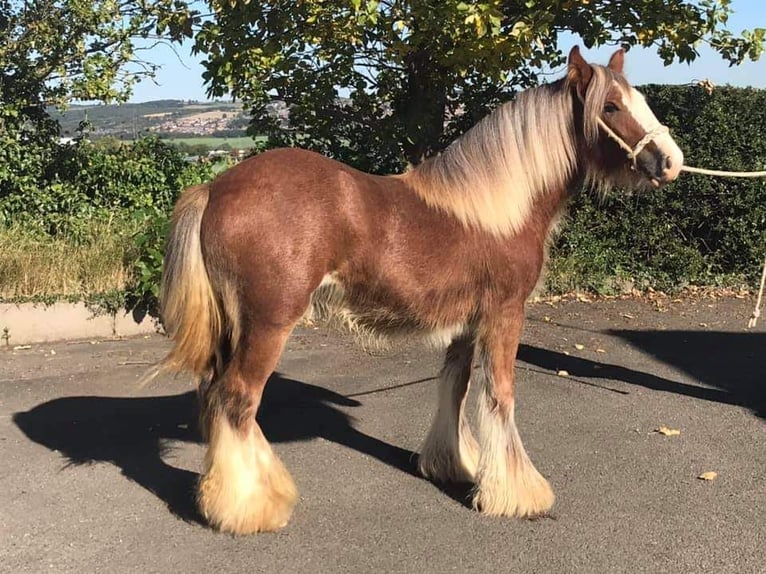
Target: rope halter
{"x":651,"y":135}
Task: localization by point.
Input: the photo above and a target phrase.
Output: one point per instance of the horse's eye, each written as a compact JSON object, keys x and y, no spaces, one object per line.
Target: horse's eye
{"x":610,"y":108}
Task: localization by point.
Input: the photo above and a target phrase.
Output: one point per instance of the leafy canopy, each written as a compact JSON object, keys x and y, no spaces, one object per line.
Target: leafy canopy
{"x":55,"y":51}
{"x":419,"y":72}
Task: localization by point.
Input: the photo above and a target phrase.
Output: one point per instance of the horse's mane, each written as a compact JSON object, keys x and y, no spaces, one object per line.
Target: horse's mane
{"x":490,"y":176}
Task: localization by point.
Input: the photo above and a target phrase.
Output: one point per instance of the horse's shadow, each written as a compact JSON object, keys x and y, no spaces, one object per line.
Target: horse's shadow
{"x":730,"y":367}
{"x":135,"y":433}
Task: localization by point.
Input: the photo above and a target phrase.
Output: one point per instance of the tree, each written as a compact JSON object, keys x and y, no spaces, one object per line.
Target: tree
{"x":375,"y":81}
{"x":55,"y":51}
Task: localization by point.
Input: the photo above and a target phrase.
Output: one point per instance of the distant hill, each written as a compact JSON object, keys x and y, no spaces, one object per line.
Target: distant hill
{"x":167,"y":118}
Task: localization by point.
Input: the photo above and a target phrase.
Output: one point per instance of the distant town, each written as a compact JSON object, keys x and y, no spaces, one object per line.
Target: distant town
{"x":166,"y":118}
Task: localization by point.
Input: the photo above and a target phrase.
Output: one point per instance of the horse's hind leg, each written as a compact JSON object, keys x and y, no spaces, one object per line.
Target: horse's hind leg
{"x":507,"y":483}
{"x":449,"y":453}
{"x":245,"y":488}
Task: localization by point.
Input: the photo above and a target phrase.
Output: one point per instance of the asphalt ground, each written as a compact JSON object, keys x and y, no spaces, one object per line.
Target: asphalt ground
{"x":97,"y":474}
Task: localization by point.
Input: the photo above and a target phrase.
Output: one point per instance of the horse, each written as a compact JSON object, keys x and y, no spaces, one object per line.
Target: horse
{"x":451,"y":248}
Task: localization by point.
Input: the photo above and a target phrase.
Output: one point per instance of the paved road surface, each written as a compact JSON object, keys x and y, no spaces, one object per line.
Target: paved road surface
{"x":97,"y":475}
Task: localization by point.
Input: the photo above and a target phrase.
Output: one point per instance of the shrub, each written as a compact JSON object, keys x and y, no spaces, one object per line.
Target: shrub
{"x":698,"y":230}
{"x":53,"y":195}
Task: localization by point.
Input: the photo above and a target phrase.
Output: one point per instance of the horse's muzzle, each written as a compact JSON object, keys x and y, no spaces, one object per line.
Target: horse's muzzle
{"x":658,"y":167}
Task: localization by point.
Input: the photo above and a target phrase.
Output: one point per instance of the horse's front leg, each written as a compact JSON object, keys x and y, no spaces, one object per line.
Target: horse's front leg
{"x":507,"y":483}
{"x":449,"y":453}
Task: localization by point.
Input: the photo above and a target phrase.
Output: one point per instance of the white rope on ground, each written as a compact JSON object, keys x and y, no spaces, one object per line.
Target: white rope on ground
{"x":757,"y":310}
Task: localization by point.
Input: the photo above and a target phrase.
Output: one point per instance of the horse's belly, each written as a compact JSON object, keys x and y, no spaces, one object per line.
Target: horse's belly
{"x":370,"y":313}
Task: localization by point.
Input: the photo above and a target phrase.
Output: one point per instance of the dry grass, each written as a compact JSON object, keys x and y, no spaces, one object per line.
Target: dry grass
{"x":34,"y":266}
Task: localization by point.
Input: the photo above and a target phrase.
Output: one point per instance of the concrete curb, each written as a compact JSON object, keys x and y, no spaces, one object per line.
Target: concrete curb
{"x":36,"y":323}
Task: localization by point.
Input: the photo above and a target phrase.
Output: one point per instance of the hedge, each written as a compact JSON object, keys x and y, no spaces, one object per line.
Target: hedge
{"x":699,"y":230}
{"x":696,"y":231}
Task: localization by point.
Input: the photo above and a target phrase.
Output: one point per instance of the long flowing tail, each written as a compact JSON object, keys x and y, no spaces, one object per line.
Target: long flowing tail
{"x":190,"y":310}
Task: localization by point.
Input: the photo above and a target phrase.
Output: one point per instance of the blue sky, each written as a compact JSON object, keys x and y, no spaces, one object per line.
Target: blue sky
{"x":181,"y":75}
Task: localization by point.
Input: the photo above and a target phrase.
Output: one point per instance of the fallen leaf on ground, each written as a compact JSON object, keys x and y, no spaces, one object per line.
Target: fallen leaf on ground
{"x":22,"y":347}
{"x":579,"y":347}
{"x":547,"y":319}
{"x":628,"y":316}
{"x":668,"y":431}
{"x":710,"y":475}
{"x":563,"y":373}
{"x":599,"y":350}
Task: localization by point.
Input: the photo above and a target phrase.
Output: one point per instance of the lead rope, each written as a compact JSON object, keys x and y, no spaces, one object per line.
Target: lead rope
{"x":660,"y":130}
{"x":719,"y":173}
{"x":757,"y":311}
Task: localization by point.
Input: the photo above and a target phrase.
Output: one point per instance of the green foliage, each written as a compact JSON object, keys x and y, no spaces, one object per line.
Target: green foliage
{"x":699,"y":230}
{"x":61,"y":187}
{"x":65,"y":191}
{"x":420,"y":72}
{"x":55,"y":51}
{"x":144,"y":288}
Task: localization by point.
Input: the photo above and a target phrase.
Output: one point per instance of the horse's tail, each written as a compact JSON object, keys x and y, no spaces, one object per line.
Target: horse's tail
{"x":190,"y":310}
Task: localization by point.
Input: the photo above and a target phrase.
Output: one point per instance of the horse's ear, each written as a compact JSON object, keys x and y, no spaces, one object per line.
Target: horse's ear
{"x":579,"y":71}
{"x":617,"y":61}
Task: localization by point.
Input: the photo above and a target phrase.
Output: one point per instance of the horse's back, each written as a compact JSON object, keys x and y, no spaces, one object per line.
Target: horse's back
{"x":288,"y":182}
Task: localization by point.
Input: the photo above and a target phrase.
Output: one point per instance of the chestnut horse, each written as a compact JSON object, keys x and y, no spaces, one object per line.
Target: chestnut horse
{"x":454,"y":247}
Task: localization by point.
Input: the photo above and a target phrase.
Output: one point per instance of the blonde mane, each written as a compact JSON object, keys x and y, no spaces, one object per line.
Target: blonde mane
{"x":491,"y":175}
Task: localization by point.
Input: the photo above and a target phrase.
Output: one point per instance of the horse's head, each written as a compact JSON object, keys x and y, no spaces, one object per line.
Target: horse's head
{"x":625,"y":143}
